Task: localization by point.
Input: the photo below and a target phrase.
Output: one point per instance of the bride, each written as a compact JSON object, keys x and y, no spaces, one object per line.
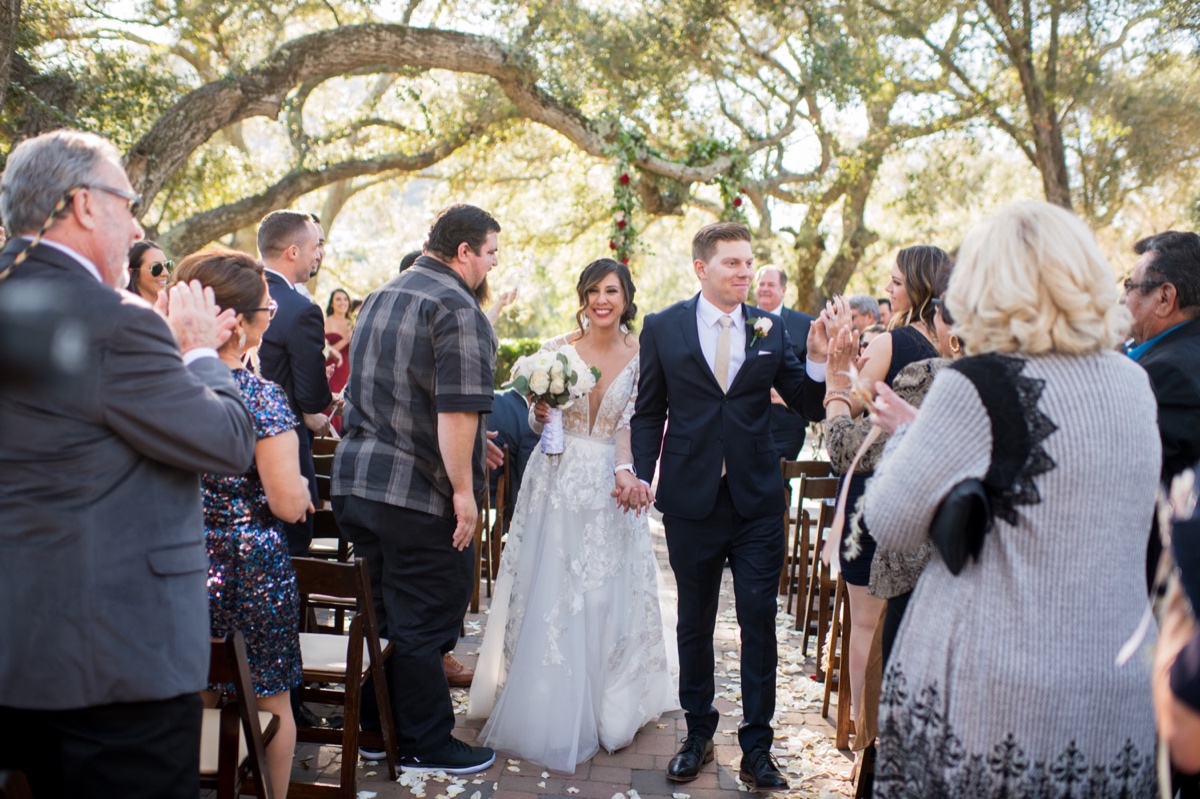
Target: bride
{"x":574,"y":656}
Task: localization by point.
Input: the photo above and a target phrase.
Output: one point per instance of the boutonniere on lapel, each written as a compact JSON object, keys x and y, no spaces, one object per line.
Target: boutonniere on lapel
{"x":760,"y":326}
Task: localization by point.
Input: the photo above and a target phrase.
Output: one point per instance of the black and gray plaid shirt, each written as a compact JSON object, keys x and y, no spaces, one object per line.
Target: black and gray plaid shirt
{"x":421,"y":346}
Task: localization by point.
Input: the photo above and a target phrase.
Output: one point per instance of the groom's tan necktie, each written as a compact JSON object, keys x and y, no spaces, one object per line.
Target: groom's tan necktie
{"x":721,"y":367}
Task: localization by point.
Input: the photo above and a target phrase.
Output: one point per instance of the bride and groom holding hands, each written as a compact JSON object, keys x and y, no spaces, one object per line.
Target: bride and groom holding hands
{"x":576,"y":653}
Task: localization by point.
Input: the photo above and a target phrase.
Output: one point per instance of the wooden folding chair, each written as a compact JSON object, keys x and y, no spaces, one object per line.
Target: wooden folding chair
{"x":234,"y":737}
{"x":328,"y":543}
{"x":323,"y":464}
{"x":796,"y":521}
{"x":349,"y":660}
{"x":813,"y":618}
{"x":323,"y":445}
{"x":501,"y":517}
{"x":481,"y":524}
{"x":837,"y":675}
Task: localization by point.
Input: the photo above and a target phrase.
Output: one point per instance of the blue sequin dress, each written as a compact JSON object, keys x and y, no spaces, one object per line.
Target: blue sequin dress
{"x":251,"y":584}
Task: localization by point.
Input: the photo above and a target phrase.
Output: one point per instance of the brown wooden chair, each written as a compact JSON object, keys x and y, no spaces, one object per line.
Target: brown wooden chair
{"x":323,"y":464}
{"x":348,"y":660}
{"x":812,"y":585}
{"x":324,"y":446}
{"x":796,"y":521}
{"x":837,"y":677}
{"x":481,"y":526}
{"x":235,"y":733}
{"x":328,"y":542}
{"x":501,"y":517}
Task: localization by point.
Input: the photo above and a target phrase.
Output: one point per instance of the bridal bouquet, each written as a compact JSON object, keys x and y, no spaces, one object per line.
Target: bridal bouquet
{"x":559,"y":378}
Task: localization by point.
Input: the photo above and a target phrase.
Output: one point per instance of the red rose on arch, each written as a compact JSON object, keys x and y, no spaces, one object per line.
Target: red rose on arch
{"x":625,"y":261}
{"x":624,"y":178}
{"x":612,"y":245}
{"x":737,"y":202}
{"x":621,"y":224}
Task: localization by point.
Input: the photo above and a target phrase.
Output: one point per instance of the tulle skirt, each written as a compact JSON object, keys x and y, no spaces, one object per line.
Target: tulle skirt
{"x":577,"y":653}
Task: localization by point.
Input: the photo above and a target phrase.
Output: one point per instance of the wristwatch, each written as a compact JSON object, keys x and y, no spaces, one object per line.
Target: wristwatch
{"x":625,"y":467}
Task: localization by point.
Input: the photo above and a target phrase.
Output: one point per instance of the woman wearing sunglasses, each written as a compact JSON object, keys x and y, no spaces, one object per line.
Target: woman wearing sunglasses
{"x":149,"y":270}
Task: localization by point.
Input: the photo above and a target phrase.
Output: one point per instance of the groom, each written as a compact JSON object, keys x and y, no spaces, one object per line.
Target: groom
{"x":709,"y":364}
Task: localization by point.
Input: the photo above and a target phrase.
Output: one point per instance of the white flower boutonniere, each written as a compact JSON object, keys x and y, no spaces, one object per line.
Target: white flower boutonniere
{"x":759,"y":329}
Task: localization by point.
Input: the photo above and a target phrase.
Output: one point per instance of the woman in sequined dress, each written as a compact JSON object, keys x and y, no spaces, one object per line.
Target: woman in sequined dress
{"x":251,"y":585}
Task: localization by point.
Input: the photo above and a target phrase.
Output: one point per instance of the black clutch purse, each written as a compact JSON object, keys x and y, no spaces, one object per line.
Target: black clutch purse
{"x":960,"y":524}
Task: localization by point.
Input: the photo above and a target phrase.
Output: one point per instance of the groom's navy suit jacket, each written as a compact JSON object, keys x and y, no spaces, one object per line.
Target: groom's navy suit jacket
{"x":706,"y":425}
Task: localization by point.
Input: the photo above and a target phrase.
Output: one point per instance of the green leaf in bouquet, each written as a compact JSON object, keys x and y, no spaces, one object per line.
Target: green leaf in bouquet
{"x":595,"y":372}
{"x":573,"y":379}
{"x":521,"y":384}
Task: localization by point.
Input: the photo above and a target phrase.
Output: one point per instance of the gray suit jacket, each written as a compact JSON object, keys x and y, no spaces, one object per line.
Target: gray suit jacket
{"x":102,"y":558}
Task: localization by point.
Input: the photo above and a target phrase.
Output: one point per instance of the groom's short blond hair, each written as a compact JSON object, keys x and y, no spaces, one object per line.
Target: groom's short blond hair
{"x":704,"y":243}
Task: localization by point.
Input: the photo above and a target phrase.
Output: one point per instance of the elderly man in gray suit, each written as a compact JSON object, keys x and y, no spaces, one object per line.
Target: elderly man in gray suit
{"x":104,"y":628}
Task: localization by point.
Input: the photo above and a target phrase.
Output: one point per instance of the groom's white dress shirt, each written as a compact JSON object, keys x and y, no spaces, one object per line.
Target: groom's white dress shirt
{"x":708,"y":325}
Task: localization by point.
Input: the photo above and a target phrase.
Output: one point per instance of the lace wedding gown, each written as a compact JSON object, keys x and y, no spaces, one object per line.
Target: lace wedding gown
{"x":575,"y":653}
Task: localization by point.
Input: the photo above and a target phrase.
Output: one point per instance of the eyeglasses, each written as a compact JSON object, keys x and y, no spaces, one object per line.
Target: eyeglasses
{"x":134,"y":200}
{"x":1143,"y":285}
{"x":271,"y":308}
{"x":940,"y":306}
{"x":157,"y":269}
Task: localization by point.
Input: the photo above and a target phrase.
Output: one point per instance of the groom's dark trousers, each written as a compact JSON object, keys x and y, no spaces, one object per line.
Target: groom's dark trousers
{"x":698,"y":551}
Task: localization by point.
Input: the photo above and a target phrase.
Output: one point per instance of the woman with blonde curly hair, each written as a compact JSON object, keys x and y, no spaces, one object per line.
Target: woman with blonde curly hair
{"x":1002,"y":681}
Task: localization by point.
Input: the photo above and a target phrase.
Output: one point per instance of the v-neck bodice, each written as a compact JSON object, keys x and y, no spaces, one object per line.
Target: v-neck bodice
{"x":615,"y":408}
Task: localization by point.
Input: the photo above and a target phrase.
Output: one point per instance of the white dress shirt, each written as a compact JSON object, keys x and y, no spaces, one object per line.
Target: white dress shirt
{"x":709,"y":327}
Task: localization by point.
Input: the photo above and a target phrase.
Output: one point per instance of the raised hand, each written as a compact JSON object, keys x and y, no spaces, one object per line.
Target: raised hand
{"x":194,"y":318}
{"x":817,"y":343}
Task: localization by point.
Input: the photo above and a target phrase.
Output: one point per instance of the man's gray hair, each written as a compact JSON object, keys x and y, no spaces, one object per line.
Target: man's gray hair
{"x":772,"y":268}
{"x":864,"y":304}
{"x":43,"y":169}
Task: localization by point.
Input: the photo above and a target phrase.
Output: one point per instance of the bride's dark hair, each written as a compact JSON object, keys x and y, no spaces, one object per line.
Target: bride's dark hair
{"x":591,"y":276}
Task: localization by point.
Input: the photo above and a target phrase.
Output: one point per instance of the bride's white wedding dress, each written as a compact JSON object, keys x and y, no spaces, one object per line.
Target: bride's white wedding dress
{"x":575,"y":653}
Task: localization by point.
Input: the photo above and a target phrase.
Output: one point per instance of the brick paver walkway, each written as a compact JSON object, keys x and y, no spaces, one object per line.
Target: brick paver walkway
{"x":804,"y":740}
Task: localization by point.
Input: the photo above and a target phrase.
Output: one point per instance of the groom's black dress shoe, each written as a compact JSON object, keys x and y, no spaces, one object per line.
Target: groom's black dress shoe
{"x":694,"y":753}
{"x":760,"y":772}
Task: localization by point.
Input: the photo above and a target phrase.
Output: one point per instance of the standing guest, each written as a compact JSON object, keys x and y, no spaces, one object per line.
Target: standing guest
{"x":149,"y":270}
{"x":410,"y":473}
{"x":251,"y":585}
{"x":868,"y":335}
{"x":912,"y":338}
{"x":102,"y":562}
{"x":864,"y":312}
{"x":788,"y":425}
{"x":409,"y":259}
{"x":885,"y":311}
{"x":710,"y":362}
{"x":1050,"y":419}
{"x":575,"y":622}
{"x":293,"y":347}
{"x":1163,"y":296}
{"x":338,"y":329}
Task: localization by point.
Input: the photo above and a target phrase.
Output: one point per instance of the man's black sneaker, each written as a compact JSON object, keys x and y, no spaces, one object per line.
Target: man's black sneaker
{"x":455,"y":757}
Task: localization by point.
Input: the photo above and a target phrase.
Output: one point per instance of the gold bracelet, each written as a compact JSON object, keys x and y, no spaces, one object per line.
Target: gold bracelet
{"x":838,"y":397}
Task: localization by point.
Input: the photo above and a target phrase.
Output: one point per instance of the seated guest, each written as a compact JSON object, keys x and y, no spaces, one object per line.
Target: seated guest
{"x":251,"y":585}
{"x":864,"y":312}
{"x":149,"y":270}
{"x":510,"y":421}
{"x":1050,"y":418}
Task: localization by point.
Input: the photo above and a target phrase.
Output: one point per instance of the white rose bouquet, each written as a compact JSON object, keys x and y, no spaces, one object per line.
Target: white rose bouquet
{"x":559,"y":378}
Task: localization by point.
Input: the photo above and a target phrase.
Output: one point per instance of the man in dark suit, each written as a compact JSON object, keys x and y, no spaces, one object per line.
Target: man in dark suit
{"x":710,"y":363}
{"x":104,"y":637}
{"x":293,"y":348}
{"x":788,"y":426}
{"x":1163,"y":296}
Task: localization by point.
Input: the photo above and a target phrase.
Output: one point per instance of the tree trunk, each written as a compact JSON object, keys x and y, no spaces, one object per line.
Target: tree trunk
{"x":10,"y":16}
